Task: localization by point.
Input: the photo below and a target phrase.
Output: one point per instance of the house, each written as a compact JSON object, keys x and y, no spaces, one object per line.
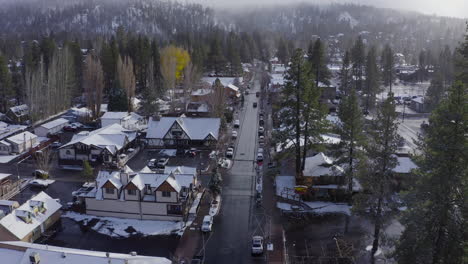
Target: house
{"x":52,"y":127}
{"x":29,"y":221}
{"x":183,"y":132}
{"x":18,"y":252}
{"x":232,"y":91}
{"x":145,"y":195}
{"x":201,"y":95}
{"x":132,"y":121}
{"x":21,"y":142}
{"x":200,"y":109}
{"x":9,"y":185}
{"x":418,"y":105}
{"x":403,"y":172}
{"x":105,"y":145}
{"x":18,"y":114}
{"x":7,"y":130}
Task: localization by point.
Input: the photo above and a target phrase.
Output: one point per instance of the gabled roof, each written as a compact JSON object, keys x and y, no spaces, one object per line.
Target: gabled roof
{"x":114,"y":115}
{"x":113,"y":137}
{"x":19,"y":227}
{"x":195,"y":128}
{"x":321,"y":165}
{"x":55,"y":123}
{"x":20,"y":110}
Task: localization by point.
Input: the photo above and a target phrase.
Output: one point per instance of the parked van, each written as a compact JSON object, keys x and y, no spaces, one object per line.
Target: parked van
{"x":207,"y":223}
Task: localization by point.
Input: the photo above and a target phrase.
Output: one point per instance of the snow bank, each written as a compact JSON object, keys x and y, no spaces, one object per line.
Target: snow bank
{"x":329,"y":208}
{"x":120,"y":227}
{"x":284,"y":206}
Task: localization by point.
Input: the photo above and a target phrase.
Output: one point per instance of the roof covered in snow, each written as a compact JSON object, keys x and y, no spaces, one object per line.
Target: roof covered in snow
{"x":321,"y":165}
{"x":404,"y":165}
{"x":55,"y":123}
{"x":114,"y":115}
{"x":113,"y":137}
{"x":195,"y":128}
{"x":225,"y":81}
{"x":20,"y":228}
{"x":22,"y":137}
{"x":59,"y":255}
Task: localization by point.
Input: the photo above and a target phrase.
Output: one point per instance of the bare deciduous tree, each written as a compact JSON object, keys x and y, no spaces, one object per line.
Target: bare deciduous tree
{"x":93,"y":84}
{"x":126,"y":78}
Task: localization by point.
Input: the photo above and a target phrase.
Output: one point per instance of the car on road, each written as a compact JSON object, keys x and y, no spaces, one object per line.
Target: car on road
{"x":257,"y":245}
{"x":236,"y":123}
{"x":162,"y":162}
{"x":229,"y":153}
{"x":260,"y":150}
{"x":257,"y":94}
{"x":254,"y":104}
{"x":261,"y":122}
{"x":40,"y":174}
{"x":259,"y":157}
{"x":40,"y":183}
{"x":207,"y":224}
{"x":234,"y":134}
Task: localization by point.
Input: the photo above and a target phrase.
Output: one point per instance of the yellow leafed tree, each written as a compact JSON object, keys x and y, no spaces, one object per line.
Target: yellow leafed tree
{"x":173,"y":62}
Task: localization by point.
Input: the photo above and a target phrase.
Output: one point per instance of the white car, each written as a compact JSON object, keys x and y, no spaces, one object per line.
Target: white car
{"x":260,"y":157}
{"x":207,"y":223}
{"x":229,"y":153}
{"x":234,"y":134}
{"x":257,"y":245}
{"x":261,"y":130}
{"x":236,"y":123}
{"x":260,"y":150}
{"x":261,"y":139}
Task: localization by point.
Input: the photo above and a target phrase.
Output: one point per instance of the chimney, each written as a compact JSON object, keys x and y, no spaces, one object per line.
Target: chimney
{"x":124,"y":177}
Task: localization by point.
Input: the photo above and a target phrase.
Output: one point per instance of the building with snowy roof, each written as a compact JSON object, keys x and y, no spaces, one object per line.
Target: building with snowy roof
{"x":50,"y":128}
{"x":18,"y":114}
{"x":29,"y":221}
{"x":144,"y":195}
{"x":20,"y":143}
{"x":17,"y":252}
{"x":104,"y":145}
{"x":183,"y":132}
{"x":132,"y":121}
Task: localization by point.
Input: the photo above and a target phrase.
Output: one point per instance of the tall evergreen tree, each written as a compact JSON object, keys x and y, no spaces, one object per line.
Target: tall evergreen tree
{"x":109,"y":54}
{"x":351,"y":131}
{"x":435,"y":92}
{"x":345,"y":75}
{"x":376,"y":174}
{"x":283,"y":52}
{"x":358,"y":60}
{"x":371,"y":84}
{"x":233,"y":56}
{"x":318,"y":63}
{"x":216,"y":61}
{"x":388,"y":66}
{"x":437,"y":219}
{"x":118,"y":100}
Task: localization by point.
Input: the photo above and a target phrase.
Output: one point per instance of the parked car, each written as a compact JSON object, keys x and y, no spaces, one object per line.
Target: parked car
{"x":236,"y":123}
{"x":261,"y":122}
{"x":40,"y":183}
{"x":229,"y":153}
{"x":191,"y":152}
{"x":255,"y":104}
{"x":261,"y":139}
{"x":162,"y":162}
{"x":261,"y":130}
{"x":40,"y":174}
{"x":259,"y":157}
{"x":260,"y":150}
{"x":234,"y":134}
{"x":152,"y":163}
{"x":257,"y":94}
{"x":56,"y":144}
{"x":207,"y":224}
{"x":180,"y":152}
{"x":257,"y":245}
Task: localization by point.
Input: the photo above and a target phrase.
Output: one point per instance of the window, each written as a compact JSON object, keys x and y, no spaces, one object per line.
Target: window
{"x":166,"y":194}
{"x":131,"y":192}
{"x":174,"y":209}
{"x":68,"y":152}
{"x":147,"y":189}
{"x":109,"y":191}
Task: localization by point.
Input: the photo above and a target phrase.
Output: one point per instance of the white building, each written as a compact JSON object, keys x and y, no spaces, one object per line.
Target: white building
{"x":145,"y":195}
{"x":29,"y":221}
{"x":183,"y":132}
{"x":19,"y":143}
{"x":104,"y":145}
{"x":52,"y":127}
{"x":17,"y":252}
{"x":127,"y":120}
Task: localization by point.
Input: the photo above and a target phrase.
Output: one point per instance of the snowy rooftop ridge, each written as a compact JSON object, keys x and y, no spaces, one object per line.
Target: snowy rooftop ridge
{"x":54,"y":123}
{"x":195,"y":128}
{"x":22,"y":137}
{"x":57,"y":255}
{"x":321,"y":165}
{"x":18,"y":227}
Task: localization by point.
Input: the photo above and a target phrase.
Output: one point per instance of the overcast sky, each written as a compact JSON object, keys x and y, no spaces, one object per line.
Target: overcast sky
{"x":456,"y":8}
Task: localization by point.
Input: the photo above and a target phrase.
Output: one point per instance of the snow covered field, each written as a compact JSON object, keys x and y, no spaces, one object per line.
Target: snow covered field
{"x":119,"y":227}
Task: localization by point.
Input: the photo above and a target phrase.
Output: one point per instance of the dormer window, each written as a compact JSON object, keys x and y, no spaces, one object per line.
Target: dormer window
{"x":24,"y":215}
{"x":109,"y":190}
{"x":148,"y":189}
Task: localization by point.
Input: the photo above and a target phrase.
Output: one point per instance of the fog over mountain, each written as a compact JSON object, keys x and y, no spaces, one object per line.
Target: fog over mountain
{"x":455,"y":8}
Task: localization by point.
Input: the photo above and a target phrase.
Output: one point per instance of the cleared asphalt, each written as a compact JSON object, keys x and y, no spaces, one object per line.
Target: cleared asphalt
{"x":233,"y":227}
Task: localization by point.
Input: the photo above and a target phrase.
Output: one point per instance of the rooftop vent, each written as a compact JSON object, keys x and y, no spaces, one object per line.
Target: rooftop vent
{"x":34,"y":258}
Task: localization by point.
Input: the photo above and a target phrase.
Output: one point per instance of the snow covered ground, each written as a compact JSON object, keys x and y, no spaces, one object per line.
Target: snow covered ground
{"x":119,"y":227}
{"x":168,"y":152}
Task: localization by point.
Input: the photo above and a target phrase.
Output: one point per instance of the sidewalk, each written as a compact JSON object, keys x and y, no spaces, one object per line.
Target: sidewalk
{"x":189,"y":243}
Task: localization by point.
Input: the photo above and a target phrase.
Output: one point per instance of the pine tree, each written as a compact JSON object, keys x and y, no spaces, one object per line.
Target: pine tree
{"x":118,"y":100}
{"x":158,"y":79}
{"x":345,"y":75}
{"x":351,"y":131}
{"x":109,"y":54}
{"x":388,"y":66}
{"x":298,"y":81}
{"x":216,"y":61}
{"x":318,"y":63}
{"x":5,"y":84}
{"x":233,"y":56}
{"x":436,"y":220}
{"x":283,"y":52}
{"x":375,"y":175}
{"x":358,"y":62}
{"x":435,"y":92}
{"x":371,"y":84}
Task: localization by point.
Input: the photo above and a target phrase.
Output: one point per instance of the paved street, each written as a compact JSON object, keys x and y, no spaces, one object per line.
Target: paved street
{"x":230,"y":240}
